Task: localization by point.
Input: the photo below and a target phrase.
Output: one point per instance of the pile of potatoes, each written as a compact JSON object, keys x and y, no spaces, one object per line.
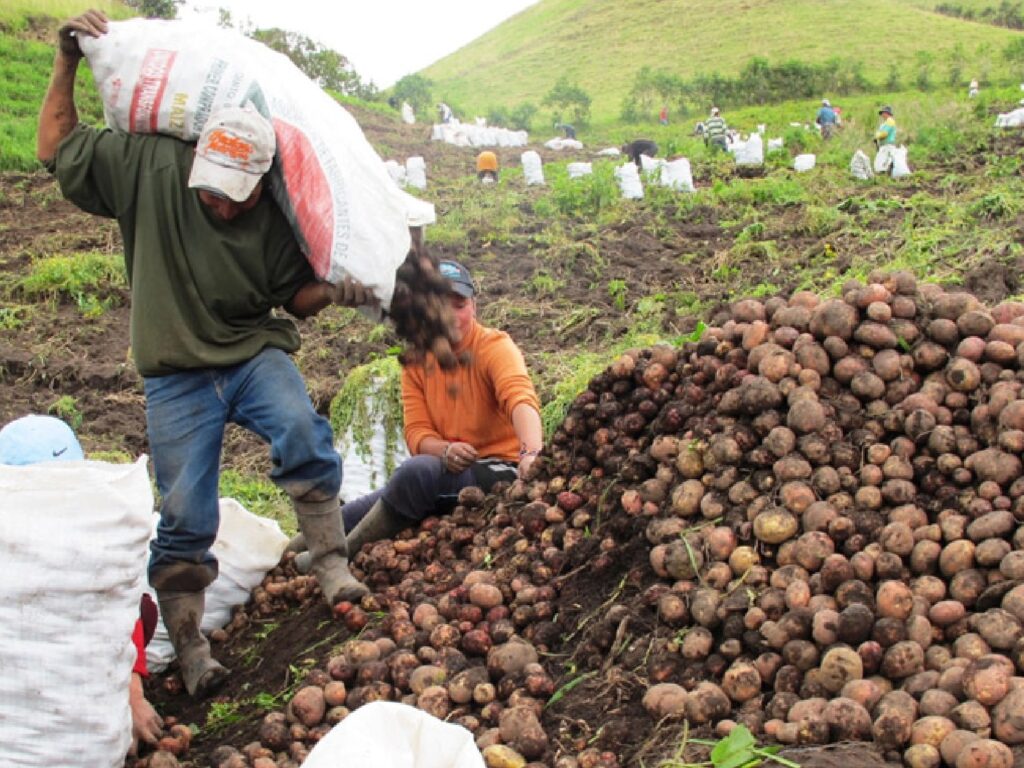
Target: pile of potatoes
{"x":834,"y":498}
{"x":827,"y":498}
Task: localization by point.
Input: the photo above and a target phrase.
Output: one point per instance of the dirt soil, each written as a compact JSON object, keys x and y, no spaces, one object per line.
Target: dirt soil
{"x":55,"y":352}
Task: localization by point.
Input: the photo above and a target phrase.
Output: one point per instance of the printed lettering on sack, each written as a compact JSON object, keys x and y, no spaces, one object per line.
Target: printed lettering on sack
{"x":179,"y":107}
{"x":150,"y":89}
{"x":116,"y":84}
{"x":208,"y":94}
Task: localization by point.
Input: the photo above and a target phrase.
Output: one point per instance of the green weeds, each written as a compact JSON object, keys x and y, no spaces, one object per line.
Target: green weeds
{"x":92,"y":281}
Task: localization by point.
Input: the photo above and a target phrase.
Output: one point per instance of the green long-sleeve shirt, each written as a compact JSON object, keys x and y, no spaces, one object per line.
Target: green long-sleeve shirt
{"x":203,"y":290}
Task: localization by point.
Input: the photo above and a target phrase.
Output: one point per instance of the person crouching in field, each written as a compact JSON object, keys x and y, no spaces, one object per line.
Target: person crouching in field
{"x":475,"y":425}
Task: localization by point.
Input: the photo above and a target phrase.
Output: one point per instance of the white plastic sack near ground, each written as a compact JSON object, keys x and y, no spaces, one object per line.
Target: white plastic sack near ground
{"x":860,"y":166}
{"x":900,"y":168}
{"x":472,"y":135}
{"x":651,"y":164}
{"x":776,"y":144}
{"x":1014,"y":119}
{"x":408,"y":116}
{"x":559,"y":143}
{"x":396,"y":171}
{"x":575,"y":170}
{"x":364,"y":467}
{"x":169,"y":76}
{"x":884,"y":158}
{"x":610,"y":152}
{"x":676,"y":174}
{"x":247,"y":546}
{"x":533,"y":168}
{"x":750,"y":152}
{"x":803,"y":163}
{"x":629,"y":181}
{"x":416,"y":172}
{"x":385,"y":733}
{"x":73,"y":536}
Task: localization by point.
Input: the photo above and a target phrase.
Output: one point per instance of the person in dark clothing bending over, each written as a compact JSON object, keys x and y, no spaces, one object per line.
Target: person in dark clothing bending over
{"x":634,"y":149}
{"x":209,"y":256}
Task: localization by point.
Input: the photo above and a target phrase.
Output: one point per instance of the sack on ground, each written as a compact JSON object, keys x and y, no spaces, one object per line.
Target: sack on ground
{"x":247,"y":546}
{"x":802,"y":163}
{"x":385,"y":733}
{"x":676,"y":174}
{"x":416,"y":172}
{"x":575,"y":170}
{"x":1013,"y":119}
{"x":884,"y":158}
{"x":900,"y":168}
{"x":750,"y":152}
{"x":860,"y":166}
{"x":533,"y":168}
{"x":629,"y":181}
{"x":168,"y":77}
{"x":73,"y":536}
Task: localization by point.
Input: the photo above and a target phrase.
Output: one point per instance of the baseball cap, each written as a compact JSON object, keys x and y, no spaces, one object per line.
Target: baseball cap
{"x":884,"y":110}
{"x":459,"y":277}
{"x":234,"y":150}
{"x":826,"y":103}
{"x":34,"y":439}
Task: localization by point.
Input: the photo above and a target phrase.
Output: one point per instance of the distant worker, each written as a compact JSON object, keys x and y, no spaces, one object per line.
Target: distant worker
{"x":973,"y":90}
{"x":715,"y":131}
{"x":635,"y":149}
{"x":886,"y":133}
{"x":699,"y":129}
{"x":444,"y":112}
{"x":568,"y":131}
{"x":487,"y":167}
{"x":826,"y":119}
{"x":663,"y":116}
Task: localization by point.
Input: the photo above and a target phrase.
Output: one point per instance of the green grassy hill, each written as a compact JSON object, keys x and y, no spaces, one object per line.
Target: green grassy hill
{"x":602,"y":44}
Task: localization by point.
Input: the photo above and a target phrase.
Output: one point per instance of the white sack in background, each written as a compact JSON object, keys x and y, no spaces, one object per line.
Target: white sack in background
{"x":860,"y":166}
{"x":803,"y":163}
{"x":533,"y":168}
{"x":629,"y":181}
{"x":900,"y":168}
{"x":676,"y":174}
{"x":416,"y":172}
{"x":73,"y":536}
{"x":575,"y":170}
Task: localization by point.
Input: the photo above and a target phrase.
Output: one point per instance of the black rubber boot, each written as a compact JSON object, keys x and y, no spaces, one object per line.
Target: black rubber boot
{"x":381,"y":522}
{"x":182,"y":613}
{"x":328,"y":551}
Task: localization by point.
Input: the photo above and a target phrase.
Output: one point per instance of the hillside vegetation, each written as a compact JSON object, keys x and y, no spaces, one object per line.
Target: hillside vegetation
{"x":602,"y":44}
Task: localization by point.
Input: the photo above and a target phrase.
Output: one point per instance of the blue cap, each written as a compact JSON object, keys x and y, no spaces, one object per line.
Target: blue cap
{"x":34,"y":439}
{"x":459,"y":277}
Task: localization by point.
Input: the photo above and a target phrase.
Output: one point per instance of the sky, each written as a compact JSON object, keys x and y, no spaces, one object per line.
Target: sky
{"x":383,"y":39}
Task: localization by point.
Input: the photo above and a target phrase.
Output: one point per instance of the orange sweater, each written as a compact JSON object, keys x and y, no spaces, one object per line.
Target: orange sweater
{"x":473,"y":403}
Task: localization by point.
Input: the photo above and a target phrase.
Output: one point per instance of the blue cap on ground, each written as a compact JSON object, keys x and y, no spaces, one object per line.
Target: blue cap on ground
{"x":34,"y":439}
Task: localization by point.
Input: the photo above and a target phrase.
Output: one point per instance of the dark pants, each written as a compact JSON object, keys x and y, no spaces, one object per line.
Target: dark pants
{"x":421,"y":487}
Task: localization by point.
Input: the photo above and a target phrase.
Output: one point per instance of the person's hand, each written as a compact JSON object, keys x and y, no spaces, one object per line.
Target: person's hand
{"x":92,"y":23}
{"x":147,"y":725}
{"x":525,"y":463}
{"x":458,"y":457}
{"x":352,"y":293}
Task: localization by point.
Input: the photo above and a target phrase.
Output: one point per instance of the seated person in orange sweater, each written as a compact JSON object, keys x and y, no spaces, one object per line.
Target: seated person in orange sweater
{"x":475,"y":425}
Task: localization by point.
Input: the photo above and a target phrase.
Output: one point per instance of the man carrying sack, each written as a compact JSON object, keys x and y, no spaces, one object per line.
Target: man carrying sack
{"x":209,"y":256}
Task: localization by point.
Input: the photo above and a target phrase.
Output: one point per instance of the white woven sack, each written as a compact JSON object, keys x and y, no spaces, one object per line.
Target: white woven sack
{"x":884,"y":158}
{"x":629,"y":181}
{"x":803,"y":163}
{"x":900,"y":167}
{"x":576,"y":170}
{"x":751,"y":152}
{"x":167,"y":77}
{"x":385,"y":733}
{"x":247,"y":546}
{"x":533,"y":168}
{"x":408,"y":116}
{"x":73,"y":536}
{"x":676,"y":174}
{"x":416,"y":172}
{"x":860,"y":166}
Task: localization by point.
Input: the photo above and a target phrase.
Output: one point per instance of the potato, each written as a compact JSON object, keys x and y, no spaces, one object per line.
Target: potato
{"x":839,"y":666}
{"x":931,"y":729}
{"x":774,"y":526}
{"x":706,"y":703}
{"x":922,"y":756}
{"x":502,"y":756}
{"x":521,"y":730}
{"x":308,"y":705}
{"x":954,"y":744}
{"x":1008,"y":718}
{"x":987,"y":679}
{"x":985,"y":753}
{"x":847,"y":720}
{"x":665,"y":699}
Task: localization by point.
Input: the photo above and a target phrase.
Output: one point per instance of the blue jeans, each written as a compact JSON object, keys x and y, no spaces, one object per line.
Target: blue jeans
{"x":420,"y":487}
{"x":186,"y":414}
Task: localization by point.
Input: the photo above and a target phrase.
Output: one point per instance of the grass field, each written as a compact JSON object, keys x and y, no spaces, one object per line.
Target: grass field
{"x":601,"y":44}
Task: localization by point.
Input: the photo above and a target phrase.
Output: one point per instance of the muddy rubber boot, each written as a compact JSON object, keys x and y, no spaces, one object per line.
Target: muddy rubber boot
{"x":296,"y":543}
{"x":381,"y":522}
{"x":325,"y":539}
{"x":303,"y":560}
{"x":182,"y":613}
